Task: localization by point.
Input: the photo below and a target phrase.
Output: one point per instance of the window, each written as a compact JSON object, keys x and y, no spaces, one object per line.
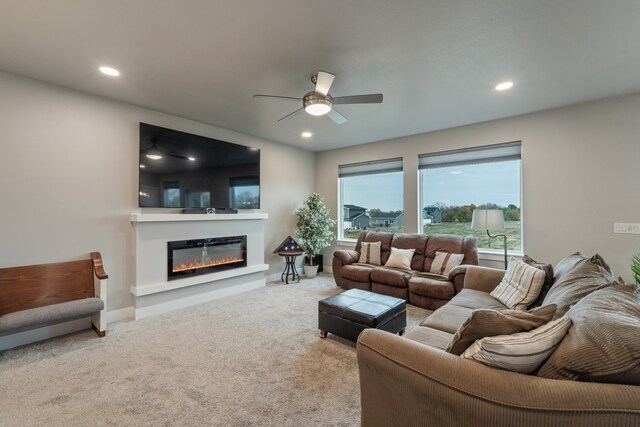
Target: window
{"x":370,"y":197}
{"x":454,"y":183}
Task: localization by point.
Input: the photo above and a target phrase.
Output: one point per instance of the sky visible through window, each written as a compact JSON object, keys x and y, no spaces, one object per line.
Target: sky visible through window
{"x":476,"y":184}
{"x":378,"y":191}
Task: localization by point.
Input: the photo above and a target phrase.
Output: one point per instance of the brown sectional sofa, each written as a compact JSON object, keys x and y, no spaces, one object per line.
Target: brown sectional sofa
{"x":417,"y":286}
{"x":412,"y":380}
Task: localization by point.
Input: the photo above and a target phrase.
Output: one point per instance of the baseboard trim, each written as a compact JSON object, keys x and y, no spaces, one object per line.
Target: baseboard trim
{"x":44,"y":333}
{"x":127,"y":313}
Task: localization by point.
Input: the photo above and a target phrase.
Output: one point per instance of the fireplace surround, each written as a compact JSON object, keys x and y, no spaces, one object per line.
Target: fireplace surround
{"x":193,"y":257}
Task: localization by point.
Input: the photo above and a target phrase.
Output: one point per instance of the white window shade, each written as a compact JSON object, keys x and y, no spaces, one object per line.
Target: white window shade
{"x":467,"y":156}
{"x":368,"y":168}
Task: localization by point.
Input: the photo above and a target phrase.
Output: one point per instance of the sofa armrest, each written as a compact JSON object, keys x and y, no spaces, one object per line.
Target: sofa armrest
{"x":457,"y":275}
{"x":482,"y":278}
{"x":347,"y":256}
{"x":403,"y":383}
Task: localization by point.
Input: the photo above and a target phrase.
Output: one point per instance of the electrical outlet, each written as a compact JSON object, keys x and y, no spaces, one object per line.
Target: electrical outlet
{"x":626,"y":228}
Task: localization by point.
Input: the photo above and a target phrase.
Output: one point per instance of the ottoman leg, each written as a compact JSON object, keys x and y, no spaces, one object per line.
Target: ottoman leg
{"x":323,"y":334}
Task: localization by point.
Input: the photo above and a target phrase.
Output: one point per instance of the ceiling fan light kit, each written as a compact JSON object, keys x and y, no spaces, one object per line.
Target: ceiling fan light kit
{"x":320,"y":103}
{"x":316,"y":104}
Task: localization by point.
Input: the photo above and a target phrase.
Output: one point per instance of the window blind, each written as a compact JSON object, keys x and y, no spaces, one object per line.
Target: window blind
{"x":486,"y":154}
{"x":369,"y":168}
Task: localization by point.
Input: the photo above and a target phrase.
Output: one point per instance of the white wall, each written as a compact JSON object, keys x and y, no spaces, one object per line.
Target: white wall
{"x":69,"y":178}
{"x":580,"y":174}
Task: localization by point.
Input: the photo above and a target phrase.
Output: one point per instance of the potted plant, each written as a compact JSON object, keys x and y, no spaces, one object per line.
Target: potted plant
{"x":315,"y":228}
{"x":635,"y":269}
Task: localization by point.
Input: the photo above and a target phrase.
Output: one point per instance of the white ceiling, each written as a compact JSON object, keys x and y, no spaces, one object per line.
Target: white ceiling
{"x":435,"y":61}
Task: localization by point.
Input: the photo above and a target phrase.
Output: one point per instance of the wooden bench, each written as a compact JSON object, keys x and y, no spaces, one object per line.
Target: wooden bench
{"x":33,"y":296}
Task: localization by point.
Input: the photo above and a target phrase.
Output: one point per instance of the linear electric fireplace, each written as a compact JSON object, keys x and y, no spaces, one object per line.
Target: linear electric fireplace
{"x":186,"y":258}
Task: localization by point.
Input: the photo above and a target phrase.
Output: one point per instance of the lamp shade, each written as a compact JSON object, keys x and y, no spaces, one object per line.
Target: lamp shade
{"x":487,"y":219}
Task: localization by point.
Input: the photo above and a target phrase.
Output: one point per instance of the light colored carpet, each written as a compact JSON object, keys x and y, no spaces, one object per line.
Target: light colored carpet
{"x":244,"y":360}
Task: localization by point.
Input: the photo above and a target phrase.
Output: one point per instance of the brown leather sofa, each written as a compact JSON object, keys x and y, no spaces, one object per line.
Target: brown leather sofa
{"x":417,"y":286}
{"x":412,"y":381}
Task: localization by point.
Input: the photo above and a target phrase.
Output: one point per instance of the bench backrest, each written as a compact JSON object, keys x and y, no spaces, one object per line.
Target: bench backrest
{"x":33,"y":286}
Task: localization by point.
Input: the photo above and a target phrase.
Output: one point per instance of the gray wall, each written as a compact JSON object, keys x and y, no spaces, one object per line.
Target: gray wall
{"x":580,"y":174}
{"x":69,"y":178}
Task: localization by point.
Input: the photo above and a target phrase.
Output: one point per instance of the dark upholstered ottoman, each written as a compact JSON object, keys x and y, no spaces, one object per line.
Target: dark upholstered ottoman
{"x":349,"y":313}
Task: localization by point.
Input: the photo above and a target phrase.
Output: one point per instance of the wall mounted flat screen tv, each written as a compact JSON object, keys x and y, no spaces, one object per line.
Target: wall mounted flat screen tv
{"x":181,"y":170}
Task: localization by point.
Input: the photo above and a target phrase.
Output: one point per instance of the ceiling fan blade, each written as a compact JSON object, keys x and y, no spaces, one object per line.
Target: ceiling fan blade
{"x":374,"y":98}
{"x":324,"y":82}
{"x":276,"y":96}
{"x":290,"y":115}
{"x":337,"y":117}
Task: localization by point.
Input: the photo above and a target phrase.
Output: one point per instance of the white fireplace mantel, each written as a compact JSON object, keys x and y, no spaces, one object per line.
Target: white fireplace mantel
{"x":171,"y":217}
{"x":151,"y":290}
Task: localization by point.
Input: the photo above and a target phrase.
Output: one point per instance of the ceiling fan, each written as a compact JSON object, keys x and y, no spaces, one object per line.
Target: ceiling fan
{"x":318,"y":102}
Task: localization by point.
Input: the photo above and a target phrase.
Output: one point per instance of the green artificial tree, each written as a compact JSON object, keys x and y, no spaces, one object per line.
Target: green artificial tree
{"x":314,"y":226}
{"x":635,"y":268}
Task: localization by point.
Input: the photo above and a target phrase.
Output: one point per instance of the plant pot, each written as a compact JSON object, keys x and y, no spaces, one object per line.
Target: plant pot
{"x":310,"y":271}
{"x":317,"y":260}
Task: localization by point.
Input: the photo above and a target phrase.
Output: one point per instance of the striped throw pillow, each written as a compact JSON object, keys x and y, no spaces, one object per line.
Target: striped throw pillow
{"x":444,"y":262}
{"x":523,"y":352}
{"x":520,"y":285}
{"x":370,"y":253}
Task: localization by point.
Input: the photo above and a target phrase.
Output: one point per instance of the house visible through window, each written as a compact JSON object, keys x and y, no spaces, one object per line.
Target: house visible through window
{"x":370,"y":197}
{"x":454,"y":183}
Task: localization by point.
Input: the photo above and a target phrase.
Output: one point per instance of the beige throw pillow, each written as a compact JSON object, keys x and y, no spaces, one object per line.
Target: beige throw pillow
{"x":523,"y":352}
{"x":602,"y":345}
{"x":445,"y":262}
{"x":488,"y":323}
{"x":400,"y":258}
{"x":370,"y":253}
{"x":520,"y":285}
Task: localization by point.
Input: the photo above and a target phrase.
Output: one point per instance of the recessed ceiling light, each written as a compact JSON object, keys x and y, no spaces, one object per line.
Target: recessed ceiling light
{"x":306,"y":134}
{"x":142,"y":166}
{"x":504,"y":86}
{"x":109,"y":71}
{"x":456,"y":172}
{"x":193,"y":159}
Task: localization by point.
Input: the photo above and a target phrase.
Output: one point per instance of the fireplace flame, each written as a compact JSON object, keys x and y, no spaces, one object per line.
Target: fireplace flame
{"x":191,"y":265}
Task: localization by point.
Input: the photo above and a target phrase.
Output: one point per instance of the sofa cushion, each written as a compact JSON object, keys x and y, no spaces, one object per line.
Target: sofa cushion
{"x":429,"y":336}
{"x":602,"y":345}
{"x":370,"y":253}
{"x":470,"y":298}
{"x":586,"y":276}
{"x":548,"y":278}
{"x":567,"y":264}
{"x":434,"y":286}
{"x":520,"y":285}
{"x":391,"y":276}
{"x":444,"y":262}
{"x":447,"y":318}
{"x":488,"y":323}
{"x":400,"y":258}
{"x":448,"y":243}
{"x":384,"y":238}
{"x":523,"y":352}
{"x":417,"y":242}
{"x":358,"y":272}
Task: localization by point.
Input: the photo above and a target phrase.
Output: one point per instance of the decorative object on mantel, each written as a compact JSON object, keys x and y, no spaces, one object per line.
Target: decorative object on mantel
{"x":490,"y":219}
{"x":290,"y":250}
{"x":315,"y":228}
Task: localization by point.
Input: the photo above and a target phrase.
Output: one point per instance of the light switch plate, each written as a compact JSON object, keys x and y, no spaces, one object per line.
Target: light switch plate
{"x":626,"y":228}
